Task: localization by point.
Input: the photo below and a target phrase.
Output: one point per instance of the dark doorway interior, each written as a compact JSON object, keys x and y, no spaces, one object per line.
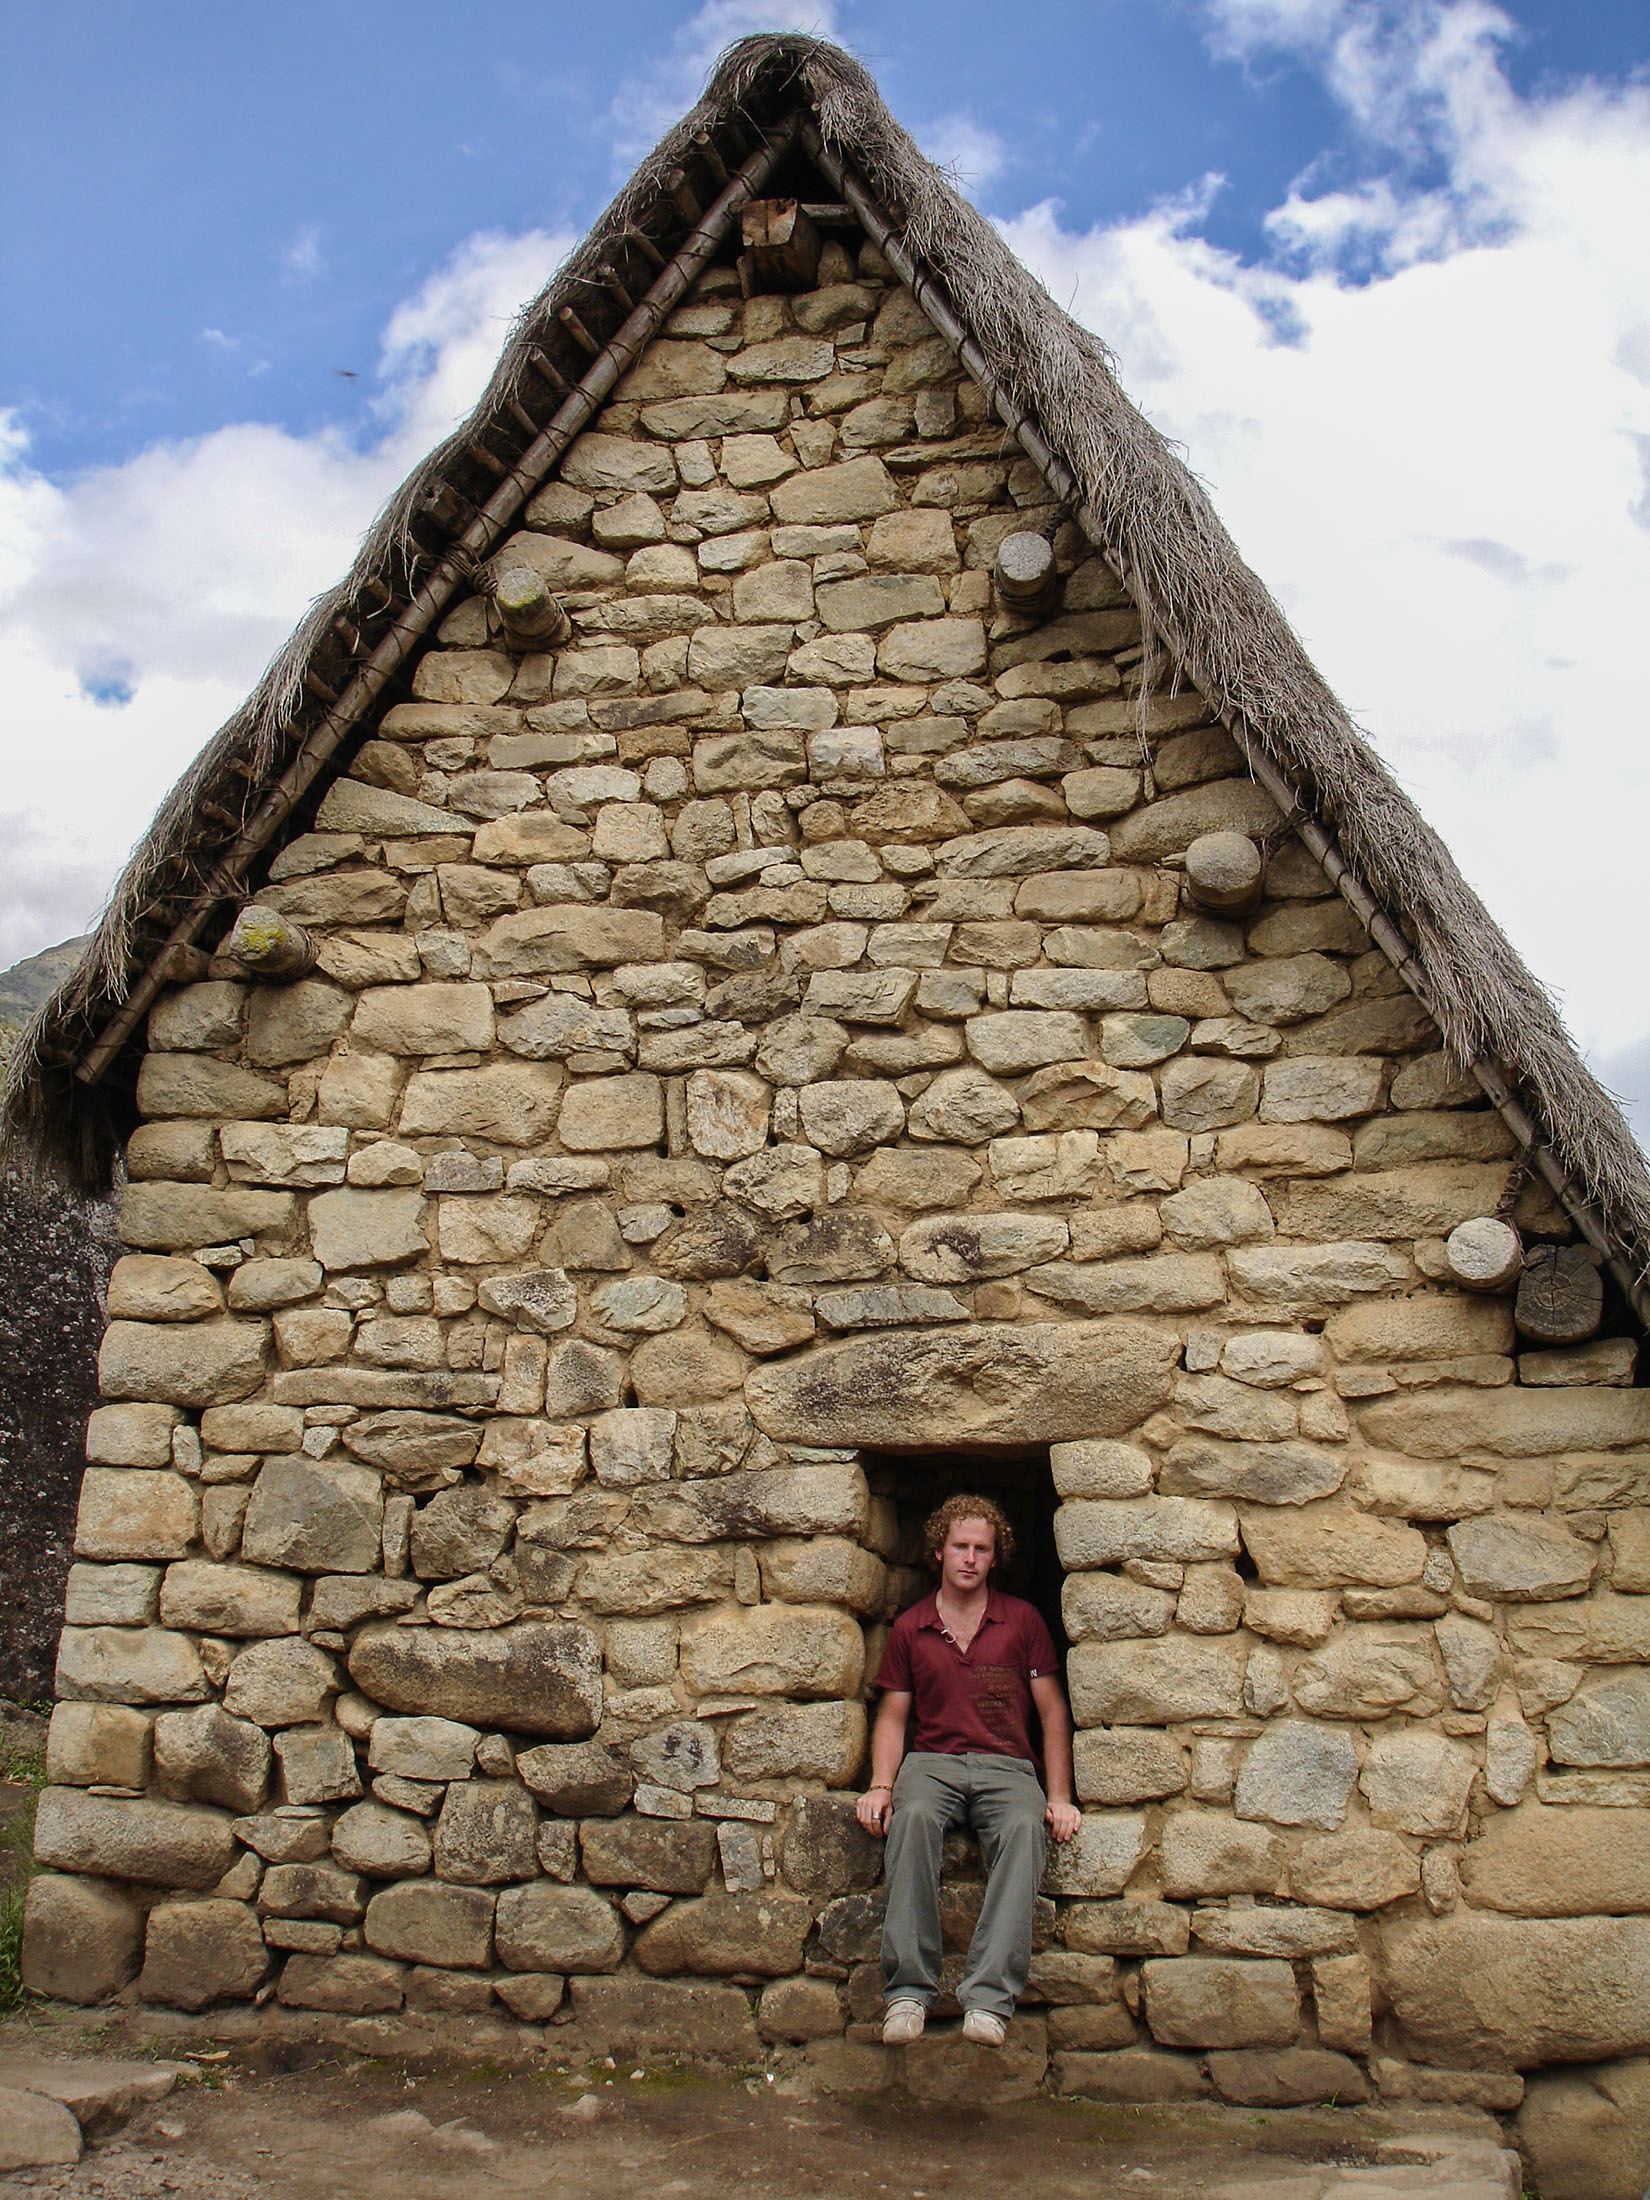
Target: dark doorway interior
{"x":1019,"y":1482}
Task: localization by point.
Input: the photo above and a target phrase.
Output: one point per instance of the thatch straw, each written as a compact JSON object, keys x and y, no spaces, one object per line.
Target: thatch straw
{"x":1194,"y":591}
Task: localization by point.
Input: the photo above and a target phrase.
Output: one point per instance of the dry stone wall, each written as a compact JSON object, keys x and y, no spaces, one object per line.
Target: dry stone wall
{"x":767,"y":1029}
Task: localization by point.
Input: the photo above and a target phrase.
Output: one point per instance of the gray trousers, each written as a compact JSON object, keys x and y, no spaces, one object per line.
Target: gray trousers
{"x":1002,"y":1799}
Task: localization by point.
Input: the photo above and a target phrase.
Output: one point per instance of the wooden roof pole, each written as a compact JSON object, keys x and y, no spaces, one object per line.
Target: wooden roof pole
{"x":478,"y":540}
{"x":1386,"y":935}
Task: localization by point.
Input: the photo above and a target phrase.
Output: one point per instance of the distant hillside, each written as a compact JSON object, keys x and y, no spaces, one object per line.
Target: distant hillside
{"x":26,"y":984}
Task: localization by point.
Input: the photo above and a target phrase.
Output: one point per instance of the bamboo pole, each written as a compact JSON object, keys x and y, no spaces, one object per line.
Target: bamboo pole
{"x":431,"y":598}
{"x":1386,"y":935}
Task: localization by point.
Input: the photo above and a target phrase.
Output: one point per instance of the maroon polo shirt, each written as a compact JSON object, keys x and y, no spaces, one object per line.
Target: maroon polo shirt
{"x":978,"y":1700}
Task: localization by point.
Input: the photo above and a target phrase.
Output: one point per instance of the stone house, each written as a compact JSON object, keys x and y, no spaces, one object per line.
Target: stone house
{"x":797,"y":935}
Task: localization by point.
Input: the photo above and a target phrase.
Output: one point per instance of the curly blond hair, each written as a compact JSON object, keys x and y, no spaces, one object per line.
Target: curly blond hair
{"x":940,"y":1523}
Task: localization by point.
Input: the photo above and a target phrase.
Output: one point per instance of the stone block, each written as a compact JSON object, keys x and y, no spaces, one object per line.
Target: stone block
{"x":1207,"y":1852}
{"x":667,"y":1856}
{"x":1036,"y":1382}
{"x":1100,"y":1607}
{"x":82,"y":1938}
{"x":540,"y":1677}
{"x":381,"y":1843}
{"x":205,"y":1756}
{"x":1127,"y":1765}
{"x":1288,"y":2077}
{"x":198,"y":1363}
{"x":1131,"y":2074}
{"x":512,"y":1103}
{"x":92,"y":1744}
{"x":229,"y":1600}
{"x":134,"y":1513}
{"x":341,"y":1985}
{"x":603,"y":1114}
{"x":280,"y":1682}
{"x":559,"y":1929}
{"x":1156,"y":1682}
{"x":131,"y":1435}
{"x":198,"y":1953}
{"x":157,"y":1844}
{"x":35,"y":2131}
{"x":373,"y":1229}
{"x":746,"y":1935}
{"x":1478,"y":1991}
{"x":809,"y":1741}
{"x":1574,"y":1861}
{"x":1519,"y":1556}
{"x":130,"y":1666}
{"x":156,"y":1287}
{"x":1370,"y":1672}
{"x":1278,"y":1473}
{"x":1297,"y":1774}
{"x":317,"y":1765}
{"x":423,"y":1748}
{"x":314,"y":1516}
{"x":1214,"y":2001}
{"x":826,"y":1850}
{"x":1329,"y":1546}
{"x":1606,"y":1722}
{"x":1587,"y":2132}
{"x":486,"y":1834}
{"x":630,"y":2017}
{"x":1358,"y":1868}
{"x":1109,"y":1531}
{"x":577,"y":1779}
{"x":797,"y":1650}
{"x":1418,"y":1782}
{"x":420,"y":1921}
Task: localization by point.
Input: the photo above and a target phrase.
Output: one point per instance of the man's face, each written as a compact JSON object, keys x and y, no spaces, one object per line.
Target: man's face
{"x":966,"y":1555}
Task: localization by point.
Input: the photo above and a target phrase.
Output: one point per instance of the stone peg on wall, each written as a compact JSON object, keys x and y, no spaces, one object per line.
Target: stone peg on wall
{"x":1024,"y":575}
{"x":1484,"y":1254}
{"x":1560,"y":1295}
{"x":270,"y":946}
{"x":1223,"y":871}
{"x":782,"y":247}
{"x":531,"y":616}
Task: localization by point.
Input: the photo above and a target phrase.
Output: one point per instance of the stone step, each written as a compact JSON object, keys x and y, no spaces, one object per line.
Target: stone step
{"x":98,"y":2092}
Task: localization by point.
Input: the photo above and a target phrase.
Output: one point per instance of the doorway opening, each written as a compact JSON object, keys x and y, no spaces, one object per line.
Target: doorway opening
{"x":1019,"y":1482}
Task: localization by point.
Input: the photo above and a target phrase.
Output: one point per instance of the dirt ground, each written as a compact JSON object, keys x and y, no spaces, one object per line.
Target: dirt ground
{"x":376,"y":2133}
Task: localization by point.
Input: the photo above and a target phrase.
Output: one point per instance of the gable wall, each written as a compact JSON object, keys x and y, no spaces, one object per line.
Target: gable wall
{"x":769,"y":1027}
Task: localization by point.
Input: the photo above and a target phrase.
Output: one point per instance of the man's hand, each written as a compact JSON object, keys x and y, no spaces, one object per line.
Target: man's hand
{"x":1062,"y":1820}
{"x":874,"y":1809}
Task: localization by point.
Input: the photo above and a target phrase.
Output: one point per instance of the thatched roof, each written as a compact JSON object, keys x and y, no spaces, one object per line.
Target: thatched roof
{"x":1055,"y":385}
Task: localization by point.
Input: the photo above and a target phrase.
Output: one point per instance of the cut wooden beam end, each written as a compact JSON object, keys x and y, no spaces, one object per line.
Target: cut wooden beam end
{"x":266,"y":944}
{"x":1224,"y":871}
{"x":579,"y":333}
{"x":782,"y":246}
{"x":1024,"y":574}
{"x":1484,"y":1254}
{"x":531,"y":616}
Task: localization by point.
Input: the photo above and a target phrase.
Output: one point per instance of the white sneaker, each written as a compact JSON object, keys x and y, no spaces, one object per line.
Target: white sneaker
{"x":902,"y":2023}
{"x":982,"y":2027}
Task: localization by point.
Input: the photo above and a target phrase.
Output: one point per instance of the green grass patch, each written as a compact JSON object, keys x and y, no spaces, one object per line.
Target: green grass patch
{"x":26,"y":1769}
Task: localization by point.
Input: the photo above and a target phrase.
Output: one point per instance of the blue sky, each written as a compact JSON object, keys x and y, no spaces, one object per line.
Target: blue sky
{"x":282,"y":176}
{"x":1378,"y":265}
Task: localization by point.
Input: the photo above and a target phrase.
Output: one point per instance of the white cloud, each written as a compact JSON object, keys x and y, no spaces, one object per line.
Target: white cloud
{"x":1423,"y":421}
{"x":138,"y":603}
{"x":661,"y":91}
{"x":962,"y":143}
{"x":302,"y":260}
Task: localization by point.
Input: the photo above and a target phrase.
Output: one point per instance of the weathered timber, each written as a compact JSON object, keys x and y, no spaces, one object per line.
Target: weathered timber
{"x":1560,"y":1295}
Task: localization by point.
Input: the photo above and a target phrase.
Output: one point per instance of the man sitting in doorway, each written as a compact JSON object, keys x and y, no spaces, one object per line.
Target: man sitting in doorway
{"x":954,"y":1744}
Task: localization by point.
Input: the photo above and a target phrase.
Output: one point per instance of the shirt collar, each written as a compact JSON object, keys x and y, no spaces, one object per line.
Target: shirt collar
{"x":928,"y":1611}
